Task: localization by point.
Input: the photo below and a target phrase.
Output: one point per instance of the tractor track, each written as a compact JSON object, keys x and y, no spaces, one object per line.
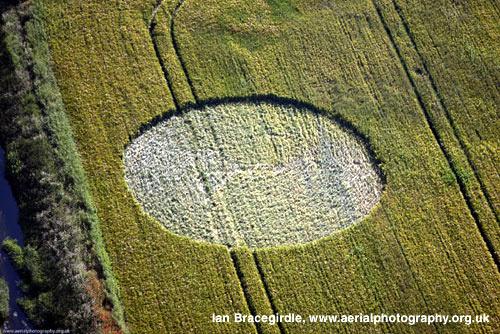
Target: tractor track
{"x":233,"y":256}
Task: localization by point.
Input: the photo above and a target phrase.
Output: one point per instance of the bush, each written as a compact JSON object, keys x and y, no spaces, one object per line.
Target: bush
{"x":15,"y":252}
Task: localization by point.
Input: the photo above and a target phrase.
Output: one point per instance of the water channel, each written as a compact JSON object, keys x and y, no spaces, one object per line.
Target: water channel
{"x":9,"y":227}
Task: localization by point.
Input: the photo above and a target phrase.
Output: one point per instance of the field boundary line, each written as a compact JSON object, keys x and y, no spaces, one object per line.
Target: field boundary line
{"x":197,"y":100}
{"x":244,"y":288}
{"x":166,"y":75}
{"x":438,"y":139}
{"x":267,"y":289}
{"x":178,"y":52}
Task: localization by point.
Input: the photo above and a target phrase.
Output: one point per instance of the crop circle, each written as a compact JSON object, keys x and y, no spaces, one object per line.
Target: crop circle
{"x":257,"y":174}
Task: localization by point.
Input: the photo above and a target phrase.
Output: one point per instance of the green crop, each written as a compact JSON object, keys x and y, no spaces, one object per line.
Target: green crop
{"x":417,"y":79}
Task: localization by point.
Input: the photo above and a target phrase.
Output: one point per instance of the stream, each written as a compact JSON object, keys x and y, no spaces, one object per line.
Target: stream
{"x":9,"y":227}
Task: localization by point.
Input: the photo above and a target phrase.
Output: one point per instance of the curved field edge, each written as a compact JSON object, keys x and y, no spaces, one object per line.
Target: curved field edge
{"x":51,"y":139}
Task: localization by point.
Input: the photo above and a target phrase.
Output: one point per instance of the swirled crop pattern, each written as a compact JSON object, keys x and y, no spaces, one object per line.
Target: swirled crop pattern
{"x":255,"y":174}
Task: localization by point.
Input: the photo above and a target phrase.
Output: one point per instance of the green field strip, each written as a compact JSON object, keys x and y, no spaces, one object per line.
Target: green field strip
{"x":413,"y":276}
{"x":168,"y":78}
{"x":446,"y":135}
{"x":178,"y":52}
{"x":471,"y":109}
{"x":430,"y":224}
{"x":245,"y":285}
{"x":251,"y":282}
{"x":450,"y":119}
{"x":267,"y":290}
{"x":371,"y":283}
{"x":162,"y":35}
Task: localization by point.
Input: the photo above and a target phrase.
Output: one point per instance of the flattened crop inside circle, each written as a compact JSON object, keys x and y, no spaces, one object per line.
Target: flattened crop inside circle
{"x":256,"y":174}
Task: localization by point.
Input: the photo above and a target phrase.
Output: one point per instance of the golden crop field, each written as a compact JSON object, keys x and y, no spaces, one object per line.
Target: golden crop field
{"x":418,"y":80}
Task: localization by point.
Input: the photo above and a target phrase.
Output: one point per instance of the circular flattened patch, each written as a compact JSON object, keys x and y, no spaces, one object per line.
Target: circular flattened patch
{"x":252,"y":174}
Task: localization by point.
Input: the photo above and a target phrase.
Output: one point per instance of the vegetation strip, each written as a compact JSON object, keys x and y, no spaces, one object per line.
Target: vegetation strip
{"x":482,"y":147}
{"x":268,"y":290}
{"x":178,"y":51}
{"x":244,"y":288}
{"x":437,"y":136}
{"x":412,"y":272}
{"x":168,"y":79}
{"x":64,"y":261}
